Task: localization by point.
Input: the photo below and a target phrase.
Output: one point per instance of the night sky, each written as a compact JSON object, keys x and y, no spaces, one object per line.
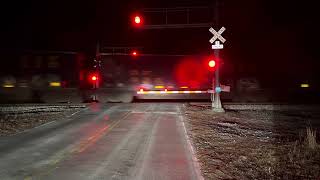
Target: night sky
{"x":267,"y":39}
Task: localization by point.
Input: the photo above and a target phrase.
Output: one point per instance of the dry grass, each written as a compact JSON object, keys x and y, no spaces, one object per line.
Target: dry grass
{"x":311,"y":139}
{"x":254,"y":144}
{"x":13,"y":123}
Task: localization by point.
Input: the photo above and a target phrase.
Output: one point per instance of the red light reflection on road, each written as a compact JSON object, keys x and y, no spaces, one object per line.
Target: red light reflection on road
{"x":95,"y":107}
{"x":93,"y":138}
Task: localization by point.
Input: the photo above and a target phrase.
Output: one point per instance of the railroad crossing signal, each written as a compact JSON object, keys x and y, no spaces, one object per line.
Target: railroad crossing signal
{"x":217,"y":38}
{"x":217,"y":35}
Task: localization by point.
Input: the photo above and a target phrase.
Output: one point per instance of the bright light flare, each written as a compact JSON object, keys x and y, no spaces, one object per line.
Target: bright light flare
{"x":191,"y":73}
{"x":212,"y":63}
{"x":134,"y":53}
{"x":94,"y":78}
{"x":137,"y":19}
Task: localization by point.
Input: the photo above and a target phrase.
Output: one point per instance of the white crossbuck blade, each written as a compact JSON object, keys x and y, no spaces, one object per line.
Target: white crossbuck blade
{"x":217,"y":35}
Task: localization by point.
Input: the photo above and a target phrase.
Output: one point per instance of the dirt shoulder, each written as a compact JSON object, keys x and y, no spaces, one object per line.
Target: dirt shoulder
{"x":261,"y":144}
{"x":18,"y":118}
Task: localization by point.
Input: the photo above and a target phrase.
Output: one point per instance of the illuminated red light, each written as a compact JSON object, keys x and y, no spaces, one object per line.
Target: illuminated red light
{"x":134,"y":53}
{"x":137,"y":19}
{"x":212,"y":63}
{"x":94,"y":78}
{"x":141,"y":90}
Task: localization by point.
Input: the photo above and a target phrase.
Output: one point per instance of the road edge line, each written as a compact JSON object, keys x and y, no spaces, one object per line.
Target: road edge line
{"x":78,"y":112}
{"x":194,"y":158}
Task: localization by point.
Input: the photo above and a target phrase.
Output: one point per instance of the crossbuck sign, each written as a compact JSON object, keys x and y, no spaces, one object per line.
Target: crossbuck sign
{"x":217,"y":36}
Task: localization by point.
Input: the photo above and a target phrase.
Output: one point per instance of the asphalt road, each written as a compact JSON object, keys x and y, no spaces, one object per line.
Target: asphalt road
{"x":104,"y":141}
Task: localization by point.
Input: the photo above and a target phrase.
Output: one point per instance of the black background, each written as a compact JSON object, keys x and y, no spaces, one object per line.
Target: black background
{"x":273,"y":40}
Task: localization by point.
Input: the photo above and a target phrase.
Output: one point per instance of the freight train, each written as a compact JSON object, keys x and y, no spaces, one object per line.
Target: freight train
{"x":56,"y":77}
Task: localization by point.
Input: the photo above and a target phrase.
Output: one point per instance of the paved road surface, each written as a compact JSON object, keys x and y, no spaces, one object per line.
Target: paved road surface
{"x":104,"y":141}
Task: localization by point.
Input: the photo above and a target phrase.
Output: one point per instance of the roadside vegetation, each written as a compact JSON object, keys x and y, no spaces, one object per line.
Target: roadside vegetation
{"x":261,"y":144}
{"x":15,"y":118}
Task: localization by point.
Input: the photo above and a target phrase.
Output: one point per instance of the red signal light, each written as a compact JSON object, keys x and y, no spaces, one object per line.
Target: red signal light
{"x":94,"y":78}
{"x":137,"y":19}
{"x":94,"y":81}
{"x":134,"y":53}
{"x":212,"y":63}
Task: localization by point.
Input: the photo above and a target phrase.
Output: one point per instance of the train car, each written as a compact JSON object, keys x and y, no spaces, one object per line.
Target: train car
{"x":71,"y":77}
{"x":124,"y":78}
{"x":51,"y":77}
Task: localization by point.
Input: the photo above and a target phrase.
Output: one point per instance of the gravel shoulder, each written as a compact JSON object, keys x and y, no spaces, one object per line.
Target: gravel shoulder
{"x":18,"y":118}
{"x":260,"y":144}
